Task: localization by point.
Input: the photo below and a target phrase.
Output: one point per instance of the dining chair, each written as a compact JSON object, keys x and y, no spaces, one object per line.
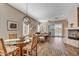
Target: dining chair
{"x":7,"y":50}
{"x":12,"y":36}
{"x":31,"y":49}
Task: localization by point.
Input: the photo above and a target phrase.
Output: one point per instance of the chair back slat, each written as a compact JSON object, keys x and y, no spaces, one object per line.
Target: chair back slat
{"x":34,"y":42}
{"x":2,"y":47}
{"x":34,"y":45}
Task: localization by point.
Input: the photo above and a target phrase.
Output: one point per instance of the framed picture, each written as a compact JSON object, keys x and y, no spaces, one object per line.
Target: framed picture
{"x":12,"y":25}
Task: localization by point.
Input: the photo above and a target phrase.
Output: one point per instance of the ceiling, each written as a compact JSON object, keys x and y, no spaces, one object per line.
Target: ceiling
{"x":41,"y":11}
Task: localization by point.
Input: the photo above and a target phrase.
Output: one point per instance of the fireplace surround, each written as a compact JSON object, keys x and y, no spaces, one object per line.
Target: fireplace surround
{"x":73,"y":34}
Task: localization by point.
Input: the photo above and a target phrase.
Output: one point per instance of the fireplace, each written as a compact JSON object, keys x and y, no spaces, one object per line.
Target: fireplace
{"x":73,"y":34}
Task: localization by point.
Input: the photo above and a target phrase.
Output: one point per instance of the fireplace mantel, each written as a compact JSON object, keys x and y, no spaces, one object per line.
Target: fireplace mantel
{"x":74,"y":28}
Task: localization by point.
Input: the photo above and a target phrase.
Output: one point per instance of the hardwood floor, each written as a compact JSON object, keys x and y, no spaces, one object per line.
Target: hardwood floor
{"x":56,"y":47}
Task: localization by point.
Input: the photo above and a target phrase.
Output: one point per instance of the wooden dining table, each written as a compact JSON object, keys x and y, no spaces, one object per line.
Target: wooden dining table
{"x":17,"y":42}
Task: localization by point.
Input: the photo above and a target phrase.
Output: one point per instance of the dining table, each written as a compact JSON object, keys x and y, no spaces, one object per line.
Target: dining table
{"x":17,"y":42}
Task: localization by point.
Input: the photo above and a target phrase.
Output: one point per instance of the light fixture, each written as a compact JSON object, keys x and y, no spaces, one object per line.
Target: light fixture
{"x":26,"y":18}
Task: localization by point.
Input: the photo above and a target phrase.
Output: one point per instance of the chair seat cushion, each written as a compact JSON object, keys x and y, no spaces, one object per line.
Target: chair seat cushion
{"x":42,"y":38}
{"x":28,"y":46}
{"x":10,"y":49}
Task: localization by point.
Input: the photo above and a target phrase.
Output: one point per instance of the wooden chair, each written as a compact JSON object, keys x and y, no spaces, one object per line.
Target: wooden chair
{"x":31,"y":48}
{"x":12,"y":36}
{"x":6,"y":50}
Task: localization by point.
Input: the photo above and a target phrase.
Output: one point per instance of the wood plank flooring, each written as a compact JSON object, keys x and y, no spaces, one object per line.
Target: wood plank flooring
{"x":56,"y":47}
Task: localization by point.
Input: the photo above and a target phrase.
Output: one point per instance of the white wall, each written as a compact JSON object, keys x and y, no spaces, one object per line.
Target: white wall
{"x":9,"y":13}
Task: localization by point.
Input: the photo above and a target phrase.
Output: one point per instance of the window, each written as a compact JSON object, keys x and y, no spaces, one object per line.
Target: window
{"x":25,"y":27}
{"x":55,"y":29}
